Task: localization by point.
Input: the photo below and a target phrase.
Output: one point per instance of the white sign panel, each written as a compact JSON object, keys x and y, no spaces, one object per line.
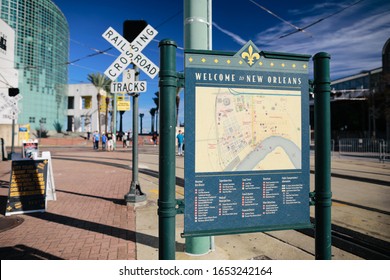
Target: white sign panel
{"x":130,"y":52}
{"x":50,"y":187}
{"x":139,"y":86}
{"x":128,"y":76}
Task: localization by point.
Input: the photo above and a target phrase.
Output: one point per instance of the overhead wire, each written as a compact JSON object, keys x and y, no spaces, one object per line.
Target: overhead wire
{"x":90,"y":55}
{"x":298,"y":29}
{"x":97,"y":51}
{"x":321,"y":19}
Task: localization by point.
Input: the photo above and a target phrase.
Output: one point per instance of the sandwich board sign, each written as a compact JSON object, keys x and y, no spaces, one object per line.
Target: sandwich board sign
{"x":50,"y":186}
{"x":247,"y":164}
{"x":27,"y":192}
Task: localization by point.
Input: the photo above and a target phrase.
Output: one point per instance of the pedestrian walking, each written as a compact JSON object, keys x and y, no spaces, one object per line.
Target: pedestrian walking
{"x":128,"y":139}
{"x":104,"y":141}
{"x":154,"y":139}
{"x":96,"y":139}
{"x":180,"y":141}
{"x":110,"y":142}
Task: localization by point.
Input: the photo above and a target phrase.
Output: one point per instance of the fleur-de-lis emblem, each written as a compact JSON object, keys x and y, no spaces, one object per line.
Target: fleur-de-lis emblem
{"x":250,"y":55}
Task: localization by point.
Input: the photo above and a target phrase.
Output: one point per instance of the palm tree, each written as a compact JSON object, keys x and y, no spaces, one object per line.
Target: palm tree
{"x":157,"y":102}
{"x":101,"y":82}
{"x":152,"y":113}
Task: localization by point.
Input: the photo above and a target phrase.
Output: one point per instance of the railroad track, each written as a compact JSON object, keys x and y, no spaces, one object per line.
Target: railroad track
{"x":356,"y":243}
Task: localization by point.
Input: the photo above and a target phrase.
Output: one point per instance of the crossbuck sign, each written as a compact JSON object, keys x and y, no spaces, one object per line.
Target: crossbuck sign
{"x":130,"y":53}
{"x":9,"y":106}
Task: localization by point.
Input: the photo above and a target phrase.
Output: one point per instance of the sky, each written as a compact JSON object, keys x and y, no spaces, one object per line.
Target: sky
{"x":353,"y":32}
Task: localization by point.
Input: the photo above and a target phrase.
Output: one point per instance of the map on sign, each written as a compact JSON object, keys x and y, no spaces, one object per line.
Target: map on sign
{"x":241,"y":129}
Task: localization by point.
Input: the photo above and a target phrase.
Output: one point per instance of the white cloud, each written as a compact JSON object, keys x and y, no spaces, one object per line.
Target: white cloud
{"x":354,"y":38}
{"x":235,"y":37}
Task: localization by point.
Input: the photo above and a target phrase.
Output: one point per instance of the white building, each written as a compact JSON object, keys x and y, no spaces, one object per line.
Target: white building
{"x":82,"y":108}
{"x":8,"y":78}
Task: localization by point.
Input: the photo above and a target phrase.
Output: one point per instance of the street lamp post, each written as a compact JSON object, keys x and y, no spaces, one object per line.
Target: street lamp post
{"x":141,"y":116}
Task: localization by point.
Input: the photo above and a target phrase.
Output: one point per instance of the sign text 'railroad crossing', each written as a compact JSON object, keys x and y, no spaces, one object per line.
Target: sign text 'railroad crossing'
{"x":131,"y":53}
{"x":9,"y":106}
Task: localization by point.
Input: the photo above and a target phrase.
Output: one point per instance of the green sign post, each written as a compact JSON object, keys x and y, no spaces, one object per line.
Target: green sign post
{"x":167,"y":159}
{"x":323,"y":194}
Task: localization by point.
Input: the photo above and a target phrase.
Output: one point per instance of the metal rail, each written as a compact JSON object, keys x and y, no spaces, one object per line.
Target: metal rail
{"x":364,"y":147}
{"x":356,"y":243}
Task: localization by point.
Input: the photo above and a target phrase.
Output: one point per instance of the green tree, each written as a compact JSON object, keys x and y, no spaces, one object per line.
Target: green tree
{"x":100,"y":82}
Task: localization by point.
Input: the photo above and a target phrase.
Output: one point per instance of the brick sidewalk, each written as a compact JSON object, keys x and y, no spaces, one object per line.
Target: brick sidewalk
{"x":88,"y":221}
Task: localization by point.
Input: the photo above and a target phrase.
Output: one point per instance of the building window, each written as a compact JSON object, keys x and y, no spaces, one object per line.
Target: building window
{"x":31,"y":120}
{"x":86,"y":102}
{"x":71,"y":102}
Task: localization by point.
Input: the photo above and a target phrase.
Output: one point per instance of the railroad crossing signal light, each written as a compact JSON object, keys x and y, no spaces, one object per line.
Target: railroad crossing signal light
{"x":132,"y":28}
{"x":13,"y":92}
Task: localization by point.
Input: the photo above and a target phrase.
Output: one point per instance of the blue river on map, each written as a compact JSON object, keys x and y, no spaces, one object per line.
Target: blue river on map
{"x":266,"y":147}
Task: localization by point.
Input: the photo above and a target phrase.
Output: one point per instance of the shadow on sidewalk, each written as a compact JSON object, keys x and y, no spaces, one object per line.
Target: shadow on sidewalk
{"x":117,"y":201}
{"x":129,"y":235}
{"x":22,"y":252}
{"x":179,"y":181}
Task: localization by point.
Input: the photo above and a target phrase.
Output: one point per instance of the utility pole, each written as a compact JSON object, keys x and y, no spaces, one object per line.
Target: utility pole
{"x":197,"y":35}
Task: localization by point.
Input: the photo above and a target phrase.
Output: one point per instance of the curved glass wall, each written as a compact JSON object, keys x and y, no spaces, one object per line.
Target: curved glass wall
{"x":41,"y":56}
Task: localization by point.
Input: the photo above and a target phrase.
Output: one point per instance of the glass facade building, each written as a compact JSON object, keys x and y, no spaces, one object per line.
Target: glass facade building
{"x":41,"y":57}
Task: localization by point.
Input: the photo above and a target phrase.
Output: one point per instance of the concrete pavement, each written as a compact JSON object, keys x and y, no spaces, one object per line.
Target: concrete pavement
{"x":280,"y":245}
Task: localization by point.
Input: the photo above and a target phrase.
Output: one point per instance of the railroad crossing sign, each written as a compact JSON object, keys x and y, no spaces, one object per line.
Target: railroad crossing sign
{"x":131,"y":53}
{"x":9,"y":106}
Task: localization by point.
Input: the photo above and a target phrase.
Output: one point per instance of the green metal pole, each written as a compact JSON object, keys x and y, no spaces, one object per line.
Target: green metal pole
{"x":167,"y":154}
{"x":197,"y":24}
{"x":323,"y":194}
{"x":197,"y":35}
{"x":135,"y":194}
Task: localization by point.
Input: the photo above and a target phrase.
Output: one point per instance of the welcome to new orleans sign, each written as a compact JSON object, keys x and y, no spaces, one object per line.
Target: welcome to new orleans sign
{"x":247,"y":141}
